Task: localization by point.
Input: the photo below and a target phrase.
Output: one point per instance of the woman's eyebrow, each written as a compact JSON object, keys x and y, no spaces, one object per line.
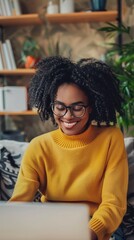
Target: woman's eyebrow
{"x":74,"y":103}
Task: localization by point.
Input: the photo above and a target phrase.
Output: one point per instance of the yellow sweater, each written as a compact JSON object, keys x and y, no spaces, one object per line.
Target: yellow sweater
{"x":90,"y":167}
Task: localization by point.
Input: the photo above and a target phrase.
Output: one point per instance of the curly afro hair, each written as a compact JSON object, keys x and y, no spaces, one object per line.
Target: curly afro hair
{"x":94,"y":77}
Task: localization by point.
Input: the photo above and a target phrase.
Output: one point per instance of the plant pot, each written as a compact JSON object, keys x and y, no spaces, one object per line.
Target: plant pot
{"x":31,"y":61}
{"x":66,"y":6}
{"x":98,"y":5}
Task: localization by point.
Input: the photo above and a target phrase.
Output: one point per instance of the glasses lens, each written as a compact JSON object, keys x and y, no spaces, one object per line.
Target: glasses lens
{"x":78,"y":110}
{"x":58,"y":109}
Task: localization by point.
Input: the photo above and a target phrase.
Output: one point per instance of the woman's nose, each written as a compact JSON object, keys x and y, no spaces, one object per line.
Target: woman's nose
{"x":68,"y":114}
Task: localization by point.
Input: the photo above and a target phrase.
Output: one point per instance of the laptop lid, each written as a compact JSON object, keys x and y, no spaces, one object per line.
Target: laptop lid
{"x":48,"y":221}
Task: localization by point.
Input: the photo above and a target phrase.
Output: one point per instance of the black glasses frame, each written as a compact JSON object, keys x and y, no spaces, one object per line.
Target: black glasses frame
{"x":70,"y":109}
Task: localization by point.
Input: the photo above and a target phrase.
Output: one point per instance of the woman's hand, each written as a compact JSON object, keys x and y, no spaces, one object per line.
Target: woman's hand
{"x":93,"y":235}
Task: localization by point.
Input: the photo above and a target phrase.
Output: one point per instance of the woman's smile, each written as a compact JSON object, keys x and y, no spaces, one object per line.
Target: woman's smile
{"x":69,"y":124}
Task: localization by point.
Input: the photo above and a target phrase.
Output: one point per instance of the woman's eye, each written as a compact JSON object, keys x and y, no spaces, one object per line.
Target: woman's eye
{"x":77,"y":108}
{"x":60,"y":107}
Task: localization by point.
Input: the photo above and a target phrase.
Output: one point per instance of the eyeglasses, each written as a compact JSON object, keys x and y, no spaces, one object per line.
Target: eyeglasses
{"x":76,"y":110}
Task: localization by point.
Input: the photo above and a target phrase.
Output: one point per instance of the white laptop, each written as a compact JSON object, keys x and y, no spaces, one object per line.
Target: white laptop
{"x":48,"y":221}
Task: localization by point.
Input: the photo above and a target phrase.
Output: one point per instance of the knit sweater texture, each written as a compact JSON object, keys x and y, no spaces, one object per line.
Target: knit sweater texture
{"x":90,"y":167}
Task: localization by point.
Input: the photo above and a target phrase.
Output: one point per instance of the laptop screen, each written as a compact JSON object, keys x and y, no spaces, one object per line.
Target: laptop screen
{"x":47,"y":221}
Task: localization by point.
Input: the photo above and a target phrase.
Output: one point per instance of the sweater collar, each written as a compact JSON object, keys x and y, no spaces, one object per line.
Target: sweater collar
{"x":74,"y":141}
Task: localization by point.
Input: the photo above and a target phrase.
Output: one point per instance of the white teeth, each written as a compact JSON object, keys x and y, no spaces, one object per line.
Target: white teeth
{"x":69,"y":125}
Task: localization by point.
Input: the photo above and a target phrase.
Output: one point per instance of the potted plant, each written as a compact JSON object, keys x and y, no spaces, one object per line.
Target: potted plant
{"x":121,"y":58}
{"x":30,"y":53}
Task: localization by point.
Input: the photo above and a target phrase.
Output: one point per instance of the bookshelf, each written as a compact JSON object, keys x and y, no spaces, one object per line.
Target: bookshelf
{"x":19,"y":20}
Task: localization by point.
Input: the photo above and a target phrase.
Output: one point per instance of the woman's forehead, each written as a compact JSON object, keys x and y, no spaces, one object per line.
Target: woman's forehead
{"x":70,"y":93}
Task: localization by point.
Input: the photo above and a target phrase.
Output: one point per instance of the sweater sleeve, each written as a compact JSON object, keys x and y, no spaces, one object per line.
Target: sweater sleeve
{"x":31,"y":174}
{"x":109,"y":215}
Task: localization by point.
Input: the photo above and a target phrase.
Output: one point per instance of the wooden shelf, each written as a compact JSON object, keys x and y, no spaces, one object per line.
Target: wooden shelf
{"x":24,"y":19}
{"x":76,"y":17}
{"x":24,"y":113}
{"x":79,"y":17}
{"x":19,"y":71}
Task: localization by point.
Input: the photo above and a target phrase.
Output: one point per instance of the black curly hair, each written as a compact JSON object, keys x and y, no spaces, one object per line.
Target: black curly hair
{"x":93,"y":76}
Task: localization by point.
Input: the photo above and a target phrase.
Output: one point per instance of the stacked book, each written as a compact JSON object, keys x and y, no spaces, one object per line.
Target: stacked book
{"x":7,"y":60}
{"x":10,"y":7}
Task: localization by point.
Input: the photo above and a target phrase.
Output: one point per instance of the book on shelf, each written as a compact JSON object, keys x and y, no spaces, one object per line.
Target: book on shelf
{"x":3,"y":9}
{"x":7,"y":8}
{"x":11,"y":54}
{"x":10,"y":7}
{"x":8,"y":60}
{"x":3,"y":56}
{"x":1,"y":63}
{"x":15,"y":7}
{"x":6,"y":54}
{"x":0,"y":11}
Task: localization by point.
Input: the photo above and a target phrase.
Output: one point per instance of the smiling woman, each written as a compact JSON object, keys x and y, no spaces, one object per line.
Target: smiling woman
{"x":85,"y":158}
